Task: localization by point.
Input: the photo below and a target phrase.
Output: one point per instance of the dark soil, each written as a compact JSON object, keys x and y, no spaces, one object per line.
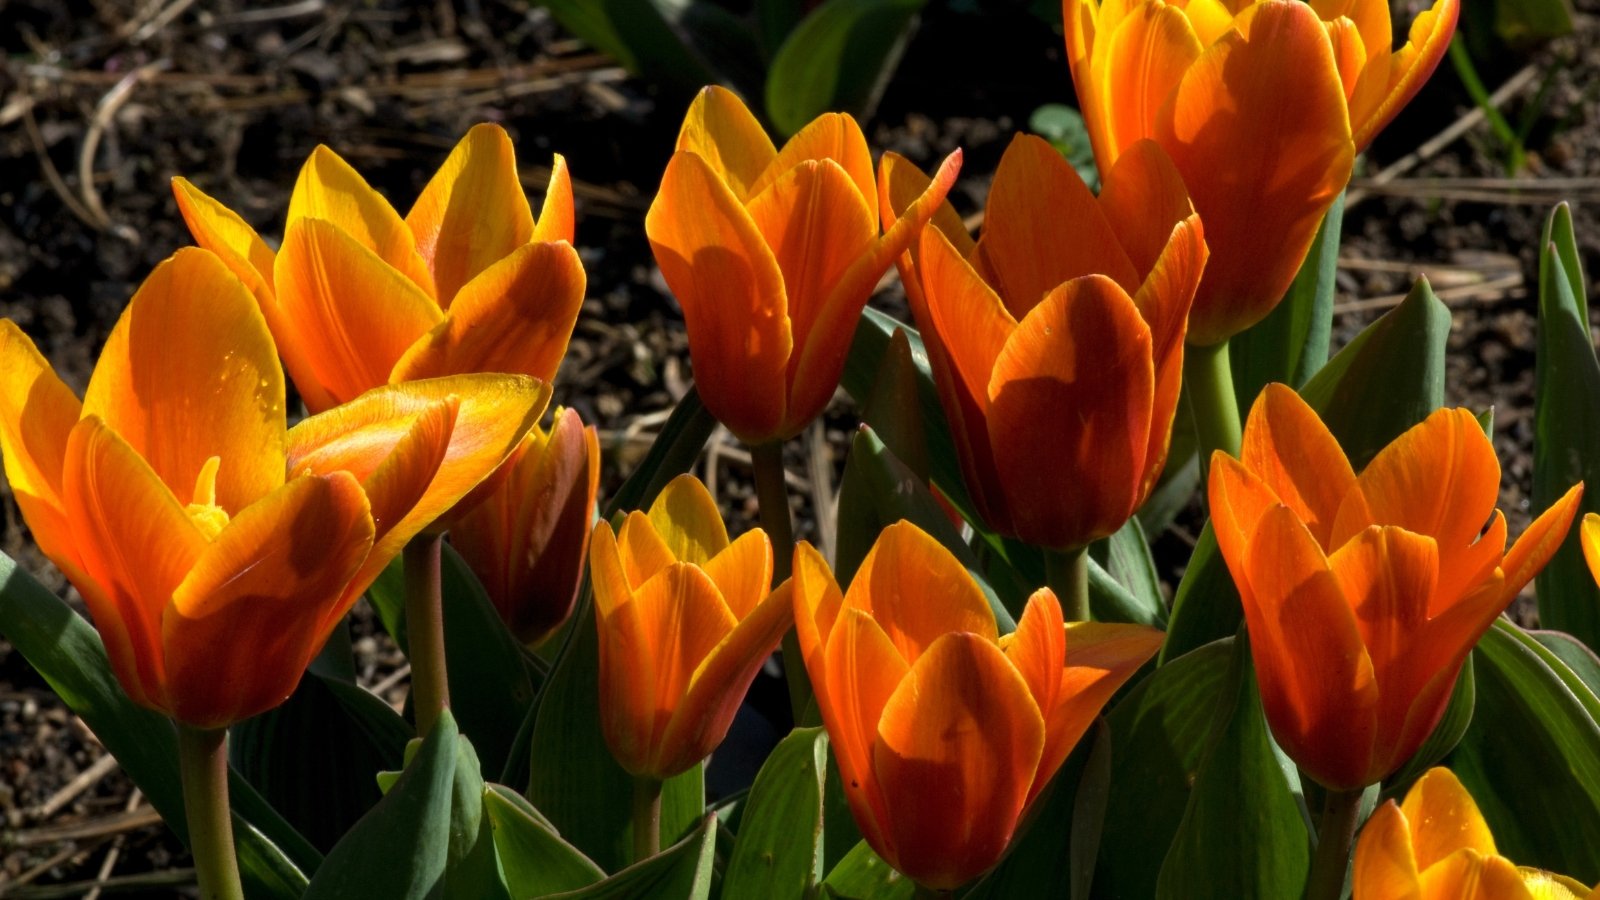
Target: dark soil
{"x":233,"y":96}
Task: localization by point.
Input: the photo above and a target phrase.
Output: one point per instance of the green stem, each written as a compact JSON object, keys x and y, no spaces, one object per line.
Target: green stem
{"x":773,"y":496}
{"x":1209,"y":377}
{"x":203,"y":766}
{"x":646,"y":817}
{"x":1067,"y":573}
{"x":430,"y":687}
{"x":1335,"y":834}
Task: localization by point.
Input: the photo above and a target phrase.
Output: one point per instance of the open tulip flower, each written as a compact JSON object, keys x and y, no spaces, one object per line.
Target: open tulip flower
{"x":1363,"y":595}
{"x":1057,"y":339}
{"x":358,"y":297}
{"x":1436,"y":846}
{"x":1262,"y":104}
{"x":685,"y":620}
{"x":945,"y":731}
{"x":528,"y":540}
{"x":216,"y":549}
{"x":772,"y":255}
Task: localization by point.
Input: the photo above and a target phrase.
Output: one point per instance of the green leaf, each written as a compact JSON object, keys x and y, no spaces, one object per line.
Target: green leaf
{"x":491,"y":683}
{"x":778,"y":853}
{"x":892,"y":410}
{"x":1134,"y":592}
{"x":399,"y":848}
{"x":863,"y":875}
{"x":534,"y":859}
{"x":1531,"y":757}
{"x":1571,"y":651}
{"x":840,"y":57}
{"x":1566,"y":434}
{"x":65,"y":650}
{"x":1089,"y":812}
{"x":1291,"y":343}
{"x":1063,"y":127}
{"x":1158,"y":732}
{"x":672,"y":453}
{"x":680,"y":872}
{"x":1243,"y":833}
{"x":471,"y":871}
{"x":1559,"y":233}
{"x":637,"y":35}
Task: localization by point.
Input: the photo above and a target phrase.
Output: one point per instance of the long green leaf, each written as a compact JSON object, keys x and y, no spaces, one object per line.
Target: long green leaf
{"x":1134,"y":591}
{"x":863,"y":875}
{"x":636,"y":34}
{"x":778,"y":853}
{"x":472,"y":871}
{"x":683,"y":871}
{"x":535,"y":859}
{"x":838,"y":58}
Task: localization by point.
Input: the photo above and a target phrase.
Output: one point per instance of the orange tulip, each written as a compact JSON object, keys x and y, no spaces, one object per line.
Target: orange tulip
{"x":358,"y":297}
{"x":1364,"y":595}
{"x":1263,"y":105}
{"x":528,"y":540}
{"x":1057,"y":339}
{"x":1436,"y":846}
{"x":945,"y":731}
{"x":772,"y":255}
{"x":685,"y":620}
{"x":214,"y":548}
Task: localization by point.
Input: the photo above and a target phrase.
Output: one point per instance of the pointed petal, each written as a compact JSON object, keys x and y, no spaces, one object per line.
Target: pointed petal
{"x":472,"y":213}
{"x":863,"y":671}
{"x":516,"y":316}
{"x":731,"y":290}
{"x":1258,"y":127}
{"x":1590,"y":536}
{"x":1288,"y":447}
{"x":37,"y":412}
{"x":917,"y":591}
{"x":1143,"y":199}
{"x":900,"y":183}
{"x":1408,"y":69}
{"x":644,"y":552}
{"x":610,"y":582}
{"x":685,"y":515}
{"x":557,"y":220}
{"x":817,"y":603}
{"x":721,"y":131}
{"x":330,"y":190}
{"x":1468,"y":569}
{"x":1385,"y":864}
{"x":271,"y":582}
{"x":1468,"y":875}
{"x":830,"y":136}
{"x":404,"y":473}
{"x":1349,"y":55}
{"x":1536,"y":545}
{"x":1164,"y":300}
{"x":1042,"y":227}
{"x":627,"y":660}
{"x":1080,"y":19}
{"x":190,"y":372}
{"x":1071,"y":399}
{"x":1137,"y":66}
{"x":958,"y":745}
{"x":1038,"y":648}
{"x":1100,"y":658}
{"x":743,"y":573}
{"x":353,"y":316}
{"x":1447,"y":818}
{"x":136,"y":545}
{"x":1369,"y":19}
{"x":222,"y":231}
{"x":1237,"y":500}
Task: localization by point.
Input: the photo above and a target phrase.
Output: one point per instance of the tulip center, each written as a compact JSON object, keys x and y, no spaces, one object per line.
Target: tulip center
{"x":203,"y":510}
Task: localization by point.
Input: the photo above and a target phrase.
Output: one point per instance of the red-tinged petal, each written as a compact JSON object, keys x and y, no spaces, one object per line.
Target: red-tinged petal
{"x":353,"y":316}
{"x":222,"y":231}
{"x":1042,"y":227}
{"x":1288,"y":447}
{"x":1144,"y":199}
{"x":37,"y":412}
{"x":1439,"y":478}
{"x":1444,"y":819}
{"x":557,"y":220}
{"x":863,"y":670}
{"x":817,"y":603}
{"x":731,"y":290}
{"x":190,"y":372}
{"x":1137,"y":65}
{"x":900,"y":184}
{"x":330,"y":190}
{"x":472,"y":213}
{"x":135,"y":543}
{"x":1071,"y":398}
{"x":721,"y":130}
{"x":719,"y":683}
{"x":626,"y":685}
{"x":644,"y":552}
{"x":1100,"y":658}
{"x":743,"y":573}
{"x":917,"y":591}
{"x":1536,"y":545}
{"x":1408,"y":69}
{"x":1385,"y":864}
{"x":1468,"y":569}
{"x":1038,"y":648}
{"x":1349,"y":54}
{"x":1164,"y":301}
{"x":1317,"y":684}
{"x":1238,"y":500}
{"x":685,"y":515}
{"x":958,"y":745}
{"x":515,"y":316}
{"x":1589,"y":537}
{"x":1258,"y":127}
{"x":830,"y":136}
{"x":268,"y":586}
{"x":403,"y":476}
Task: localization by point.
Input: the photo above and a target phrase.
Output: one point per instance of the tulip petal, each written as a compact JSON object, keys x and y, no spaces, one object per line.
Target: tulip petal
{"x":610,"y":581}
{"x":958,"y":745}
{"x":403,"y":475}
{"x":900,"y":184}
{"x":190,"y":372}
{"x":1213,"y":18}
{"x":353,"y":317}
{"x":1143,"y":199}
{"x":1589,"y":537}
{"x":329,"y":189}
{"x":743,"y":573}
{"x":1447,"y":819}
{"x":1385,"y":864}
{"x":1164,"y":301}
{"x":135,"y":543}
{"x":1349,"y":55}
{"x":1038,"y":648}
{"x":1466,"y":875}
{"x":223,"y":232}
{"x":719,"y":683}
{"x":1100,"y":658}
{"x":1369,"y":18}
{"x":895,"y":583}
{"x":1289,"y":448}
{"x":685,"y":515}
{"x":1536,"y":545}
{"x":644,"y":552}
{"x":731,"y":291}
{"x":515,"y":316}
{"x":863,"y":670}
{"x":557,"y":221}
{"x":1258,"y":127}
{"x":1081,"y":21}
{"x":1238,"y":500}
{"x":1407,"y":70}
{"x":37,"y":412}
{"x":271,"y":582}
{"x":1042,"y":227}
{"x":830,"y":136}
{"x":1470,"y":568}
{"x":1071,"y":398}
{"x":817,"y":602}
{"x":1137,"y":65}
{"x":721,"y":131}
{"x":472,"y":213}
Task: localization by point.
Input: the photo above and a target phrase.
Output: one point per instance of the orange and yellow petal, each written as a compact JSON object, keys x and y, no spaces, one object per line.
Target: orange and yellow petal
{"x":1144,"y":198}
{"x":817,"y":604}
{"x":1385,"y":863}
{"x":557,"y":220}
{"x":1136,"y":66}
{"x":1444,"y":818}
{"x":1287,"y":446}
{"x":223,"y":232}
{"x":644,"y":551}
{"x":1426,"y":43}
{"x":830,"y":136}
{"x":1540,"y":542}
{"x":1164,"y":301}
{"x":37,"y":412}
{"x":721,"y":130}
{"x":743,"y":573}
{"x":330,"y":190}
{"x":1589,"y":537}
{"x":898,"y":581}
{"x":862,"y":670}
{"x":686,"y":518}
{"x":1100,"y":658}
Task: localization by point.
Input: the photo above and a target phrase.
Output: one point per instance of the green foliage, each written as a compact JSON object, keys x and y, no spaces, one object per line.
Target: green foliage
{"x":533,"y":857}
{"x":684,"y":870}
{"x":778,"y":852}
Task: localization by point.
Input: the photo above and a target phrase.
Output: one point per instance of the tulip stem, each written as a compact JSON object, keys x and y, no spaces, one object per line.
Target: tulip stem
{"x":1067,"y":573}
{"x":1335,"y":833}
{"x":773,"y":497}
{"x":430,"y":687}
{"x":203,"y":766}
{"x":646,"y":817}
{"x":1209,"y":377}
